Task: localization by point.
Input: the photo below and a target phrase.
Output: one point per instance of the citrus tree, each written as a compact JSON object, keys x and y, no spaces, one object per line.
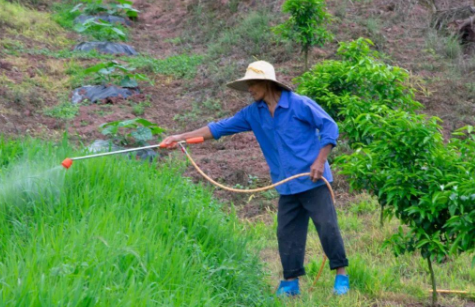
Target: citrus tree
{"x":306,"y":25}
{"x":399,"y":155}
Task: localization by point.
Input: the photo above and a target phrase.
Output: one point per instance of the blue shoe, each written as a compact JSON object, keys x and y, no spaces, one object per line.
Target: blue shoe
{"x":342,"y":284}
{"x":288,"y":288}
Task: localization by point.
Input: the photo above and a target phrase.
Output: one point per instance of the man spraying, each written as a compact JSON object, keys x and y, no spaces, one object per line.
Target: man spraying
{"x":296,"y":135}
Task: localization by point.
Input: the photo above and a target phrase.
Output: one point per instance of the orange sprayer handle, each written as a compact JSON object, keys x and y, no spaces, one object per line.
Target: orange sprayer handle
{"x":195,"y":140}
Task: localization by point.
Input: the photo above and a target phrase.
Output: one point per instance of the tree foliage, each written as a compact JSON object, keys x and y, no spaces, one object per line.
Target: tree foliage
{"x":399,"y":155}
{"x":306,"y":25}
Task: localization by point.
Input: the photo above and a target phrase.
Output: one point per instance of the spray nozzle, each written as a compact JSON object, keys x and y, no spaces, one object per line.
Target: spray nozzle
{"x":67,"y":163}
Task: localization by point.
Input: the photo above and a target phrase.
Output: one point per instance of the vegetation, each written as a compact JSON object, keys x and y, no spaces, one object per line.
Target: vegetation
{"x":17,"y":21}
{"x":94,"y":7}
{"x":115,"y":73}
{"x":102,"y":30}
{"x":399,"y":155}
{"x":306,"y":25}
{"x":113,"y":231}
{"x":138,"y":129}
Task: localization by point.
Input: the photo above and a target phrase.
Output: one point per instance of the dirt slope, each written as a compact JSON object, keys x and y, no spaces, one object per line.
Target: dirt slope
{"x":32,"y":83}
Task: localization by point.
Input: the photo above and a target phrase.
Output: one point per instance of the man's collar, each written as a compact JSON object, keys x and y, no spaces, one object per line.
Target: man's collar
{"x":283,"y":101}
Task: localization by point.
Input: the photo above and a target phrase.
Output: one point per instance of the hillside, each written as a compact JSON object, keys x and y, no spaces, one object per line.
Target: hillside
{"x":189,"y":50}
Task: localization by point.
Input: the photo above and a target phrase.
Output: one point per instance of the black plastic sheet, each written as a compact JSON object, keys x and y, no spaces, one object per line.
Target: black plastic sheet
{"x":106,"y":47}
{"x":95,"y":93}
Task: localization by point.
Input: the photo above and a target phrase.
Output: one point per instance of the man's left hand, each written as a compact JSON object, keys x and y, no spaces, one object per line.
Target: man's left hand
{"x":316,"y":170}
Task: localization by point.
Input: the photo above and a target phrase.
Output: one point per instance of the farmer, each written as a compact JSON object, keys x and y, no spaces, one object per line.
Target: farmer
{"x":295,"y":135}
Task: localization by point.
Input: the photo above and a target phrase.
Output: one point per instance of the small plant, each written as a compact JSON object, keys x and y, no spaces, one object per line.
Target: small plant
{"x":306,"y":24}
{"x":124,"y":8}
{"x":138,"y":129}
{"x":64,"y":110}
{"x":91,"y":7}
{"x":114,"y":73}
{"x":101,"y":30}
{"x":94,"y":7}
{"x":139,"y":109}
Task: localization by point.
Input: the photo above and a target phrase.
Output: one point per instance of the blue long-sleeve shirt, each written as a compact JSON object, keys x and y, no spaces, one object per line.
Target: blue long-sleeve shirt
{"x":290,"y":141}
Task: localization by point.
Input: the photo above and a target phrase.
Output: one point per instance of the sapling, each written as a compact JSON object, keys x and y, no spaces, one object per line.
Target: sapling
{"x":306,"y":25}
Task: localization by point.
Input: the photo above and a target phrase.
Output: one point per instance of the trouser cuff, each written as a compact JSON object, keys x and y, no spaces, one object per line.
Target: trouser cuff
{"x":338,"y":264}
{"x":294,"y":273}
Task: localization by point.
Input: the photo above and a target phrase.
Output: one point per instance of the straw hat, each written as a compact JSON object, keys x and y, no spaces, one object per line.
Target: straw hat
{"x":257,"y":71}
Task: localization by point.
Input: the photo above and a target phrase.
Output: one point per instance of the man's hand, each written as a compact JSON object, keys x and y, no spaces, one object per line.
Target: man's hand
{"x":316,"y":170}
{"x":172,"y":141}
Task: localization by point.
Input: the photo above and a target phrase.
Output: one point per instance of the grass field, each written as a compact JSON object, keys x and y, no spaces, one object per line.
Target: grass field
{"x":113,"y":231}
{"x":116,"y":232}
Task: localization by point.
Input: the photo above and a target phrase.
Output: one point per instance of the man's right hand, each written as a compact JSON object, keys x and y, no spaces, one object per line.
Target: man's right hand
{"x":171,"y":142}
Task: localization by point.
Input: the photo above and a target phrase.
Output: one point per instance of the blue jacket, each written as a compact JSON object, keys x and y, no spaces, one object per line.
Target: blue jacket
{"x":290,"y":141}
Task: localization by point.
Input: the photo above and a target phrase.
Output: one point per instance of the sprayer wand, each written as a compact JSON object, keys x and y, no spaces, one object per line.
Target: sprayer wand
{"x":69,"y":161}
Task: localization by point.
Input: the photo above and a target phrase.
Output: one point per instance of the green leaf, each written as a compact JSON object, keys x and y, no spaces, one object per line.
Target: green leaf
{"x":76,"y":7}
{"x":95,"y":68}
{"x":142,"y":134}
{"x":128,"y":82}
{"x":109,"y":128}
{"x":119,"y":32}
{"x":129,"y":123}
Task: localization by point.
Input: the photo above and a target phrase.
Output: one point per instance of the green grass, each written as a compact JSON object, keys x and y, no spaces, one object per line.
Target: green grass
{"x":19,"y":21}
{"x":377,"y":277}
{"x":116,"y":232}
{"x":64,"y":110}
{"x":179,"y":66}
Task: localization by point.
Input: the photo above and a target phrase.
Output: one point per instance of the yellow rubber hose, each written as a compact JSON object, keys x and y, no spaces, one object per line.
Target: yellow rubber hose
{"x":273,"y":186}
{"x":199,"y":170}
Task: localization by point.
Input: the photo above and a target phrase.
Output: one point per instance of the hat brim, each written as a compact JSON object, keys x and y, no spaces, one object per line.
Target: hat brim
{"x":241,"y":84}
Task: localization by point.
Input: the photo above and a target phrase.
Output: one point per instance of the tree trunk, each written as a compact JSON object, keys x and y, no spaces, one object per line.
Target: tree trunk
{"x":306,"y":59}
{"x":434,"y":287}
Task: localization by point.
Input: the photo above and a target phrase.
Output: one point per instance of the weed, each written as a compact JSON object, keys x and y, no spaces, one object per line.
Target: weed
{"x":104,"y":109}
{"x":270,"y":194}
{"x":452,"y":48}
{"x":446,"y":46}
{"x":64,"y":110}
{"x":364,"y":204}
{"x":139,"y":109}
{"x":180,"y":66}
{"x":471,"y":90}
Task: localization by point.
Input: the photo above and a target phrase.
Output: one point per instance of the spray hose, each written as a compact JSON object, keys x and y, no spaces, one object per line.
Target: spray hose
{"x":199,"y":170}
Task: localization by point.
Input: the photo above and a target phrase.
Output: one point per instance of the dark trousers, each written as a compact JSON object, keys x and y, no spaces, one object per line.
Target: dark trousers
{"x":293,"y":216}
